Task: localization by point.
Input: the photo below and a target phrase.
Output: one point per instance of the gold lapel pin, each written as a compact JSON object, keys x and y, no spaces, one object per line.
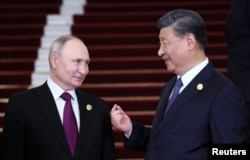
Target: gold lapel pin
{"x":199,"y":86}
{"x":89,"y":107}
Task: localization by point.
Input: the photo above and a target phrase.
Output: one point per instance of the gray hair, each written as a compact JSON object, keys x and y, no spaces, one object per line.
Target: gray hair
{"x":58,"y":44}
{"x":184,"y":22}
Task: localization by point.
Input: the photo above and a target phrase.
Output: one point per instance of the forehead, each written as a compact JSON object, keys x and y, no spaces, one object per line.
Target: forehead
{"x":75,"y":49}
{"x":167,"y":33}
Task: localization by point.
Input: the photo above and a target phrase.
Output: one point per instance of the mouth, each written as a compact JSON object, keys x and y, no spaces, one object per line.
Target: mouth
{"x":79,"y":78}
{"x":166,"y":60}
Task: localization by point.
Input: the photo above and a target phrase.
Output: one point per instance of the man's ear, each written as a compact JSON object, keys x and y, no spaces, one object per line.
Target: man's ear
{"x":190,"y":40}
{"x":53,"y":59}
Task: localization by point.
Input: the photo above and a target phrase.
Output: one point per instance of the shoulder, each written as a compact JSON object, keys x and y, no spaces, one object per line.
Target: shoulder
{"x":88,"y":96}
{"x":221,"y":87}
{"x":26,"y":93}
{"x":222,"y":80}
{"x":24,"y":99}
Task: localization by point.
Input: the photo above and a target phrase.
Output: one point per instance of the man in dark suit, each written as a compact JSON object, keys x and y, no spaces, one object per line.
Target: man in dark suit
{"x":208,"y":110}
{"x":34,"y":124}
{"x":237,"y":35}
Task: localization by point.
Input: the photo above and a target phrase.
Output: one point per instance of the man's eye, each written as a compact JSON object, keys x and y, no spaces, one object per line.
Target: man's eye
{"x":76,"y":61}
{"x":164,"y":43}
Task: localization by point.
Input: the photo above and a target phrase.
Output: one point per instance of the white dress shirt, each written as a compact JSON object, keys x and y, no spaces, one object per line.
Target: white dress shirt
{"x":57,"y":92}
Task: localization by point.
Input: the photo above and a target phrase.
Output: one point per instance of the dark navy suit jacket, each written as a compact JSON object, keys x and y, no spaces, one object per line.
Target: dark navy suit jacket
{"x":213,"y":113}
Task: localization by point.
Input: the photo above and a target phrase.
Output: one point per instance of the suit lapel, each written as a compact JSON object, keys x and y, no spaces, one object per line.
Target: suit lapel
{"x":190,"y":91}
{"x":163,"y":103}
{"x":86,"y":116}
{"x":48,"y":108}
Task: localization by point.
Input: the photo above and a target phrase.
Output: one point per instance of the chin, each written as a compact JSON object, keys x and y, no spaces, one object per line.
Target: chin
{"x":78,"y":84}
{"x":171,"y":71}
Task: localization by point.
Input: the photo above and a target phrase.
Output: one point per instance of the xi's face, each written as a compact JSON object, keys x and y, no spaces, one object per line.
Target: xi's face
{"x":72,"y":65}
{"x":173,"y":50}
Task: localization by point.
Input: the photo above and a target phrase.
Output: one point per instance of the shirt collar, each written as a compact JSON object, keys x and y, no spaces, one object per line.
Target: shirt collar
{"x":57,"y":90}
{"x":189,"y":76}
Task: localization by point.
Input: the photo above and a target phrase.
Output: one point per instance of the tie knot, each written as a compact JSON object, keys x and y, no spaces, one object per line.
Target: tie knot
{"x":66,"y":96}
{"x":179,"y":82}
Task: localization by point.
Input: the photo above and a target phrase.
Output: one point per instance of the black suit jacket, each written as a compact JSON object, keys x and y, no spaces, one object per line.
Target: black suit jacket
{"x":209,"y":110}
{"x":237,"y":35}
{"x":33,"y":129}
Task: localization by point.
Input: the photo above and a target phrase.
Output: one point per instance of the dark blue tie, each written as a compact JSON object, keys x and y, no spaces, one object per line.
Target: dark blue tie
{"x":177,"y":86}
{"x":69,"y":122}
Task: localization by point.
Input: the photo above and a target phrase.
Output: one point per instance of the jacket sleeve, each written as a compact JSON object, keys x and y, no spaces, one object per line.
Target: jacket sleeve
{"x":139,"y":138}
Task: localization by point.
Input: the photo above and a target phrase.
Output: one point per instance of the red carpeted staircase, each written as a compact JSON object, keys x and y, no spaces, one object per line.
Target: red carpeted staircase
{"x":21,"y":27}
{"x":122,"y":38}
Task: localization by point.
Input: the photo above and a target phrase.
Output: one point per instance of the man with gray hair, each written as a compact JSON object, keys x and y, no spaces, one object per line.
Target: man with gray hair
{"x":57,"y":121}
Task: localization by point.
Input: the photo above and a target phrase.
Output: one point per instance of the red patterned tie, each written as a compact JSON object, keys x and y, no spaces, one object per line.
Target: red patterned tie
{"x":69,"y":122}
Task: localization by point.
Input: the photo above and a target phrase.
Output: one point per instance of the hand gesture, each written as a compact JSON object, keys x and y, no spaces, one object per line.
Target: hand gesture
{"x":120,"y":119}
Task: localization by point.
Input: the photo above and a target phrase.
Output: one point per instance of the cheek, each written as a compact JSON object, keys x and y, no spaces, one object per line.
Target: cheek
{"x":70,"y":68}
{"x":65,"y":71}
{"x":173,"y":49}
{"x":177,"y":56}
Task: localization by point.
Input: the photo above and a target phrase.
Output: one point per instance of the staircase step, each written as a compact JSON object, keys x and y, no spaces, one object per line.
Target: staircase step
{"x":34,"y":8}
{"x":20,"y":40}
{"x":134,"y":103}
{"x":141,"y":16}
{"x":8,"y":90}
{"x":124,"y":89}
{"x":21,"y":29}
{"x":156,"y":5}
{"x":125,"y":76}
{"x":117,"y":63}
{"x":115,"y":39}
{"x":143,"y":117}
{"x":131,"y":27}
{"x":14,"y":77}
{"x":17,"y":64}
{"x":18,"y":52}
{"x":3,"y":105}
{"x":21,"y":18}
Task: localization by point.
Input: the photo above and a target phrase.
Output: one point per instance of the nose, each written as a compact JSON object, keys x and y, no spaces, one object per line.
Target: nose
{"x":84,"y":68}
{"x":160,"y":51}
